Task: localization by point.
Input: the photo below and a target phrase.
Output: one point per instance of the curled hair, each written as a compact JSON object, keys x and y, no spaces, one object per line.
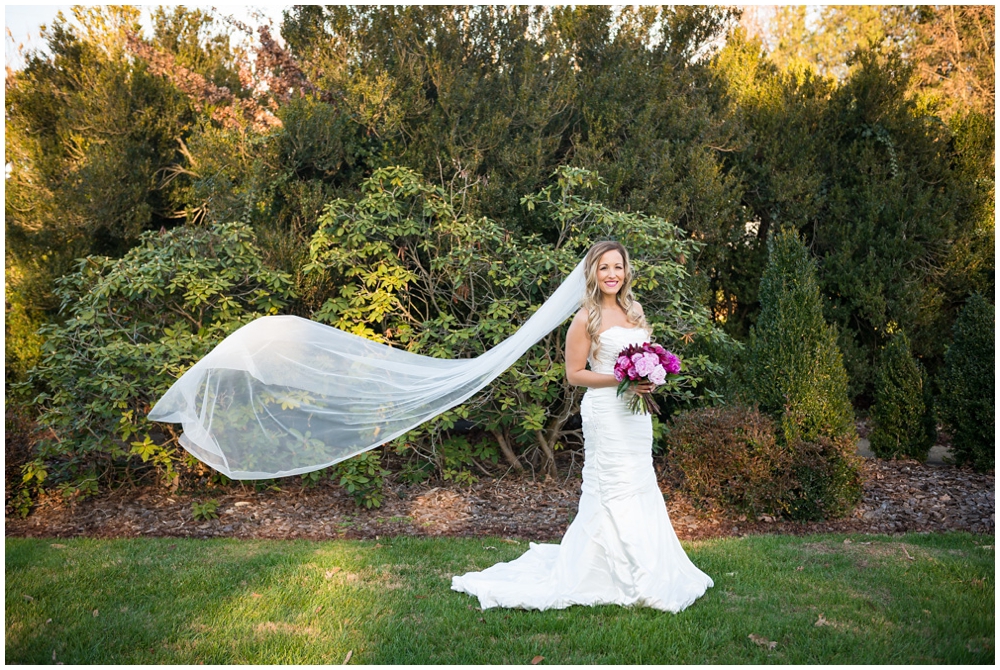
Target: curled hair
{"x":593,"y":297}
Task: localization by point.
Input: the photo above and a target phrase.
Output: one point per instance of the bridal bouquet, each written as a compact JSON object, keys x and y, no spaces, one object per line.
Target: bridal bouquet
{"x":644,"y":362}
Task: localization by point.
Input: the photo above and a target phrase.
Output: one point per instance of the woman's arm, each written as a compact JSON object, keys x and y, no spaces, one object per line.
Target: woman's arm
{"x":577,"y":350}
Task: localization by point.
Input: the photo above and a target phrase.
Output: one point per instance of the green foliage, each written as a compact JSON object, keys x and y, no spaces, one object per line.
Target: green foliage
{"x":91,"y":137}
{"x":839,"y":31}
{"x":363,"y":477}
{"x":728,"y":143}
{"x":132,"y":326}
{"x":406,"y":265}
{"x":81,"y":487}
{"x":21,"y":503}
{"x":827,"y":478}
{"x":277,"y":181}
{"x":900,"y":416}
{"x":791,"y":366}
{"x":968,"y":383}
{"x":312,"y":479}
{"x":773,"y":158}
{"x":22,"y":319}
{"x":971,"y":261}
{"x":191,"y":36}
{"x":18,"y":456}
{"x":504,"y":95}
{"x":204,"y":511}
{"x":895,"y":205}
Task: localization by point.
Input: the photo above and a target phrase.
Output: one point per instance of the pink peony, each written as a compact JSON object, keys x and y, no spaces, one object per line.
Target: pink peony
{"x":658,"y":375}
{"x":622,"y":367}
{"x":644,"y":363}
{"x":653,"y":360}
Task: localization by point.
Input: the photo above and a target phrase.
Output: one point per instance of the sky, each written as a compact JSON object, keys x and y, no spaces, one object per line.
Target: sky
{"x":22,"y":22}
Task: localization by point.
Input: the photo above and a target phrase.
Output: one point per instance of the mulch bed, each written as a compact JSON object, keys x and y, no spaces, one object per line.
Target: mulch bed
{"x":899,"y":496}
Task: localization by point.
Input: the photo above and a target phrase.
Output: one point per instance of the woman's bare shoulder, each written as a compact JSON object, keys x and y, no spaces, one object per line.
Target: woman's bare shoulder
{"x":580,"y":320}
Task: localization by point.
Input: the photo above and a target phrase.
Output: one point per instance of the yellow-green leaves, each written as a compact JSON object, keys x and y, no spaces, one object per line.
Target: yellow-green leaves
{"x":133,"y":325}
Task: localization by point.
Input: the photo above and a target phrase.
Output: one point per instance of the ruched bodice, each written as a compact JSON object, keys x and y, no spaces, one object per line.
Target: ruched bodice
{"x":612,"y":341}
{"x":620,"y":548}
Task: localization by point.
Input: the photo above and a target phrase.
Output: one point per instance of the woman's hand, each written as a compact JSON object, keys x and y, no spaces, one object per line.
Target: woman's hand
{"x":644,"y":387}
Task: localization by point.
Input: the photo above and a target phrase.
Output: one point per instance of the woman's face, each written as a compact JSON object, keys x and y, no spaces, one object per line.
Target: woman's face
{"x":611,"y":272}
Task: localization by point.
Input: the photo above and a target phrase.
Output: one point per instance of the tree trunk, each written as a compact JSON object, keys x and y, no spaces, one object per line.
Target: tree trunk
{"x":508,"y":453}
{"x":547,"y":438}
{"x":549,"y":462}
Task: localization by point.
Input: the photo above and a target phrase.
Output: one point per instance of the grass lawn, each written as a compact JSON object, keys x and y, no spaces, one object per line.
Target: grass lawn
{"x":910,"y":599}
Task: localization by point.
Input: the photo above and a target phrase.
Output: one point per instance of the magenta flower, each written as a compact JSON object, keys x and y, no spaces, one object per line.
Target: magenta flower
{"x":672,"y":364}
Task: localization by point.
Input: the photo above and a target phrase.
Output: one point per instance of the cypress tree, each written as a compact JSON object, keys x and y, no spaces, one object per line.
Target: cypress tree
{"x":793,"y":369}
{"x":901,"y":426}
{"x":966,"y":404}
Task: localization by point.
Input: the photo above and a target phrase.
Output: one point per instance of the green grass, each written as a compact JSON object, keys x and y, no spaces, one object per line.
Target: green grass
{"x":240,"y":601}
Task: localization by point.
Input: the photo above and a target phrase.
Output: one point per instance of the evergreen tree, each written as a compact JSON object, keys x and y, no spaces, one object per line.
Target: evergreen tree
{"x":968,"y":383}
{"x":90,"y":138}
{"x":902,"y":426}
{"x":793,"y":370}
{"x":896,"y":206}
{"x":792,"y":367}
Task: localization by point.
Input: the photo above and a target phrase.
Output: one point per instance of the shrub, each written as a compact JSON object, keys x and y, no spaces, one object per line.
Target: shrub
{"x":900,"y":423}
{"x":363,"y":477}
{"x":826,"y":479}
{"x":132,"y":326}
{"x":729,"y":457}
{"x":205,"y":511}
{"x":405,"y":264}
{"x":408,"y":265}
{"x":966,"y":403}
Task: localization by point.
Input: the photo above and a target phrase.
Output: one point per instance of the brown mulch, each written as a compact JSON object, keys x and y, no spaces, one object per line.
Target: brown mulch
{"x":899,"y":496}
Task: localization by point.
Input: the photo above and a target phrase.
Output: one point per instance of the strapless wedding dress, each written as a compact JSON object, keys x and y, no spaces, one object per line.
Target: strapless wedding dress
{"x":620,"y":548}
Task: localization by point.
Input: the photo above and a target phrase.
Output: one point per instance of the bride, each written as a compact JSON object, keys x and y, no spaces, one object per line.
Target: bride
{"x":620,"y":548}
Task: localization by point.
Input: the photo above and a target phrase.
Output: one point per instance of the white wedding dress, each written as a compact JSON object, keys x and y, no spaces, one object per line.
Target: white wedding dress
{"x":620,"y":549}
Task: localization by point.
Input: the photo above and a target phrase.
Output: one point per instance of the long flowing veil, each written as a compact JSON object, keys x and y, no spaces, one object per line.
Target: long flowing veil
{"x":284,"y":395}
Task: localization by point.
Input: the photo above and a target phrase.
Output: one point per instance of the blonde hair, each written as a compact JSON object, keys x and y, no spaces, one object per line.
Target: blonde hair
{"x":592,"y":296}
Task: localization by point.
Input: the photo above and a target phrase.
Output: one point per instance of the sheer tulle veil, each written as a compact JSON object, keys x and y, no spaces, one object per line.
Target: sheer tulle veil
{"x":284,"y":395}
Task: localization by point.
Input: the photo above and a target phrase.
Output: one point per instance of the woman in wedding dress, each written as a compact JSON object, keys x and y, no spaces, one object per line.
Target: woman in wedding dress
{"x":620,"y":548}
